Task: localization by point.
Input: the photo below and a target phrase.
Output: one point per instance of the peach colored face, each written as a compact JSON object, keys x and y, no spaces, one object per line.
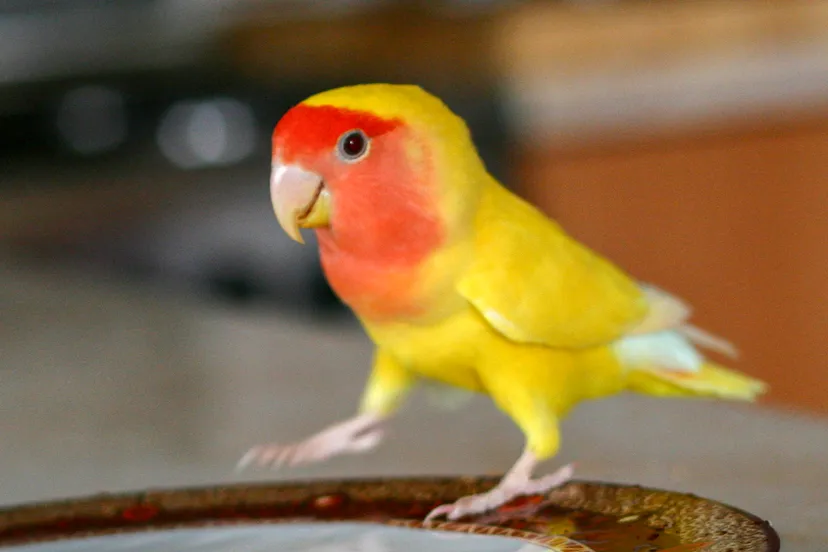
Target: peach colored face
{"x":365,"y":185}
{"x":350,"y":175}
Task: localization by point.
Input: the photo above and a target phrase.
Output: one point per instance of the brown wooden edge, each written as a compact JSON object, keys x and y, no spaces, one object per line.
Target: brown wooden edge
{"x":693,"y":518}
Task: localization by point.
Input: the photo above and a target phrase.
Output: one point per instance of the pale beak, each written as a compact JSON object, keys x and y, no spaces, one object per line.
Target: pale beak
{"x":300,"y":199}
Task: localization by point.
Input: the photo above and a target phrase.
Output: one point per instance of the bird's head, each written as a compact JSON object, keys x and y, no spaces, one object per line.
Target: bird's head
{"x":374,"y":162}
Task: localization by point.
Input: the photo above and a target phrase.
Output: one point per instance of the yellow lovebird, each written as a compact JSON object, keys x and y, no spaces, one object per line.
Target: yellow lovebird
{"x":457,"y":280}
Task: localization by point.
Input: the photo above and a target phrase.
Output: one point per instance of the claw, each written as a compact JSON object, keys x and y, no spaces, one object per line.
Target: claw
{"x":443,"y":510}
{"x":549,"y":482}
{"x":367,"y":441}
{"x":247,"y":459}
{"x":473,"y":504}
{"x":353,"y":436}
{"x":511,"y":486}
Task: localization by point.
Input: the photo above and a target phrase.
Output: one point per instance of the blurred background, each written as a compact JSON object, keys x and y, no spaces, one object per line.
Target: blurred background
{"x":155,"y":321}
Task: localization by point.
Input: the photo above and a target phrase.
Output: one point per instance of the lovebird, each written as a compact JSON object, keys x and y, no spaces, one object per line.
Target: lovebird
{"x":459,"y":281}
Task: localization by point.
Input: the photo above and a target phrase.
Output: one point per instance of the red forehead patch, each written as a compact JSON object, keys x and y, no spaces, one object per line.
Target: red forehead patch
{"x":309,"y":129}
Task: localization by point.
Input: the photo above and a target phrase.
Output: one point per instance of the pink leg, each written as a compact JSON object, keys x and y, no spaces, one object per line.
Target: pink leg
{"x":516,"y":482}
{"x":358,"y":434}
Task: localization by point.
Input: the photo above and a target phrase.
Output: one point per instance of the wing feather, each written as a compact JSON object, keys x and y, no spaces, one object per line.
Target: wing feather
{"x":535,"y":284}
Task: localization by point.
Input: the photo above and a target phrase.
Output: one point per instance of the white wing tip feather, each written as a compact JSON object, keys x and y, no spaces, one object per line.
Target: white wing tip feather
{"x":500,"y":322}
{"x":666,"y":311}
{"x":666,"y":350}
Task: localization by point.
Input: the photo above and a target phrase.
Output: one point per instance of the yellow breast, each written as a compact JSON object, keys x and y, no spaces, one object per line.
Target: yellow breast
{"x":447,"y":351}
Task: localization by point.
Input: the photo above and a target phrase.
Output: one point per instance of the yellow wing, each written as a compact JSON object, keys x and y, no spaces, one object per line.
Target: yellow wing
{"x":535,"y":284}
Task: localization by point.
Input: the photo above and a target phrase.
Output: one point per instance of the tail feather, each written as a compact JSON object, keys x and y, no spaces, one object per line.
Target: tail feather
{"x":712,"y":380}
{"x":707,"y":340}
{"x":667,"y":363}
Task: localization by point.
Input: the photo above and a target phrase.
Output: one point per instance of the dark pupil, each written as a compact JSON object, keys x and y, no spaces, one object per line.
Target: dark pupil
{"x":354,"y":144}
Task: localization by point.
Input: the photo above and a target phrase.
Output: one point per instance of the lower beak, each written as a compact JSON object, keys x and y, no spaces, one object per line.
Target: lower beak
{"x":300,"y":199}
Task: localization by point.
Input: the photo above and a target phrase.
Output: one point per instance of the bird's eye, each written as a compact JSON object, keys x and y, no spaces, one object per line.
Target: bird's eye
{"x":353,"y":145}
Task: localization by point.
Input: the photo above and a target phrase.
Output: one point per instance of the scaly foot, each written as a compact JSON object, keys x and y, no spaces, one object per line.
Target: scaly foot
{"x":358,"y":434}
{"x":510,"y":487}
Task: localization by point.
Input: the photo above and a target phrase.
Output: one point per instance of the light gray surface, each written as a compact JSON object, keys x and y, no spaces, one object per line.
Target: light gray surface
{"x":292,"y":537}
{"x":105,"y":387}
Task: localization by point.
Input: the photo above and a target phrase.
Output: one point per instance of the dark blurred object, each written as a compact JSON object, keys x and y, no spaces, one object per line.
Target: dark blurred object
{"x":72,"y":61}
{"x":136,"y":134}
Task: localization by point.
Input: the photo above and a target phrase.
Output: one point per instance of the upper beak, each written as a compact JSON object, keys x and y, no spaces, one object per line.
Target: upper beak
{"x":300,"y":199}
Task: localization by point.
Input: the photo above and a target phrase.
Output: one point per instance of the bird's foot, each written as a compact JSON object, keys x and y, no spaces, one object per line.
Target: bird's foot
{"x":504,"y":492}
{"x":358,"y":434}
